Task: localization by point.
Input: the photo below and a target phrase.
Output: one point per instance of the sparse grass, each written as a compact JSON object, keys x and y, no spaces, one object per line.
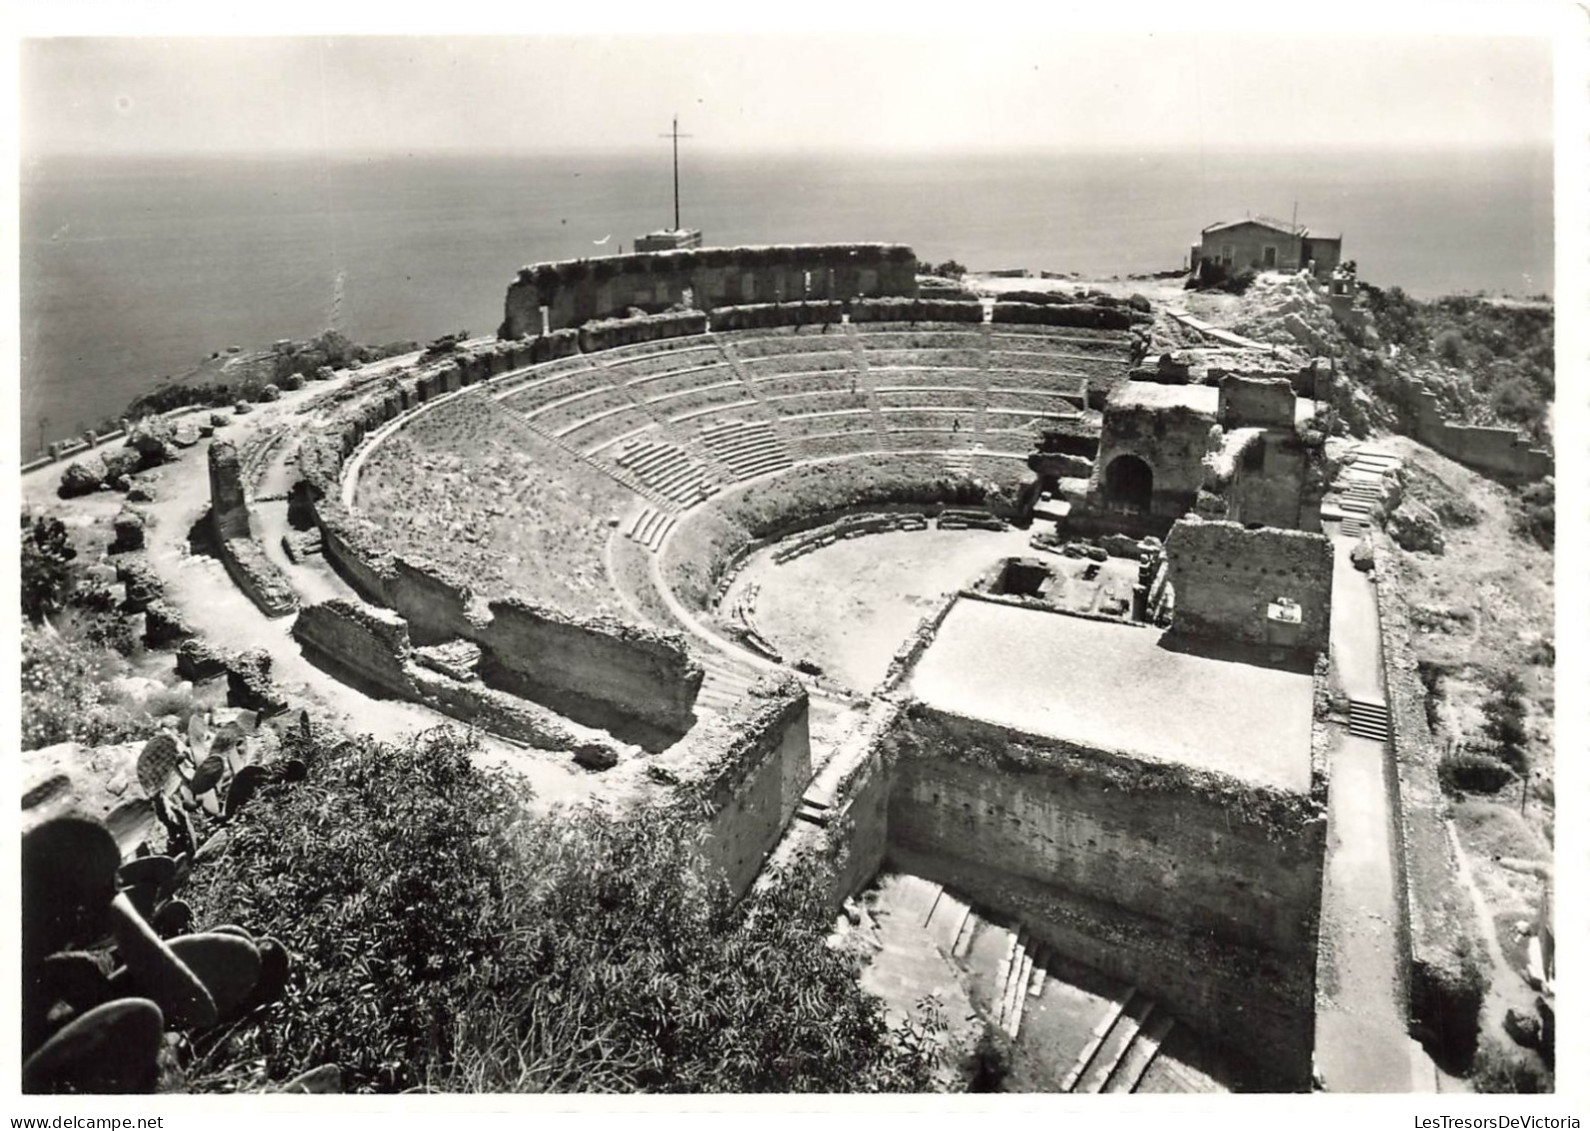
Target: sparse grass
{"x":469,"y":486}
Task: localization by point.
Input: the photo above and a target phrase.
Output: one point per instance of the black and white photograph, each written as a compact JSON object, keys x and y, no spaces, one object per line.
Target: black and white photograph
{"x":937,"y":554}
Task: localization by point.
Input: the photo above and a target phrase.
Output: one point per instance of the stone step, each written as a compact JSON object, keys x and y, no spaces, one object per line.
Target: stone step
{"x":1129,"y":1072}
{"x":1113,"y":1049}
{"x":1040,"y":973}
{"x":818,"y":817}
{"x":1018,"y":995}
{"x":1368,"y":720}
{"x":1100,"y":1031}
{"x":659,"y":532}
{"x":964,"y":934}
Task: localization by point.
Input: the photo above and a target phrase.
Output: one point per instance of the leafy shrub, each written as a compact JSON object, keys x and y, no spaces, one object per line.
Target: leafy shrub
{"x":634,"y":974}
{"x":46,"y":573}
{"x":1449,"y":347}
{"x":1505,"y":721}
{"x":1537,"y":515}
{"x":1472,"y":771}
{"x":449,"y":939}
{"x":61,"y":697}
{"x":1499,"y":1068}
{"x":382,"y":872}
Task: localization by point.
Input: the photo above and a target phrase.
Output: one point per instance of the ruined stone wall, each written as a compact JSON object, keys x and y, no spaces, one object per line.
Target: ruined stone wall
{"x":746,"y":772}
{"x":643,"y":673}
{"x":1171,"y":440}
{"x":438,"y":605}
{"x":228,"y":508}
{"x":1067,"y":314}
{"x":369,"y":644}
{"x":1225,"y":577}
{"x":575,"y":292}
{"x":1191,"y":848}
{"x":1500,"y":451}
{"x":245,"y":560}
{"x":612,"y":333}
{"x":1200,"y":890}
{"x":1271,"y":491}
{"x":770,"y":314}
{"x":1248,"y":401}
{"x":1439,"y":927}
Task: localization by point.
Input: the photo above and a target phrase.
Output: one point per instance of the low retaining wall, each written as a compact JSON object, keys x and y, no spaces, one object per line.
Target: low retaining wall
{"x":848,"y":527}
{"x":767,"y":315}
{"x":1500,"y":451}
{"x":744,"y":774}
{"x":1080,"y":315}
{"x":612,"y":333}
{"x":1439,"y":941}
{"x":370,"y":647}
{"x":915,"y":310}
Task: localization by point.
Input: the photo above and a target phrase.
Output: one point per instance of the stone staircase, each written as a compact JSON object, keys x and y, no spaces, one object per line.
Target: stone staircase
{"x":985,"y":335}
{"x":961,"y":459}
{"x":746,"y":447}
{"x":725,"y":683}
{"x":1359,"y":489}
{"x":1124,"y":1042}
{"x":867,"y":384}
{"x":669,"y":470}
{"x":649,"y":527}
{"x":611,"y":470}
{"x":1367,"y":720}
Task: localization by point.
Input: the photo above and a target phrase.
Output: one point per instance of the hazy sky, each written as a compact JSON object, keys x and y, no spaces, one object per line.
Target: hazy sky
{"x":984,"y":87}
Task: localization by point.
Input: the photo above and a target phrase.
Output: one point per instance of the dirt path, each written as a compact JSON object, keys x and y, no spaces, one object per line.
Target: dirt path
{"x":201,"y":589}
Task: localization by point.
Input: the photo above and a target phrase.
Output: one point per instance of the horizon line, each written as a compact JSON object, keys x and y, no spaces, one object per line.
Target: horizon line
{"x":1018,"y":150}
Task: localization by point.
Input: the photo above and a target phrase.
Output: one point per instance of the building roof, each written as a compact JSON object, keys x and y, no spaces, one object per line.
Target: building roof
{"x":1263,"y":222}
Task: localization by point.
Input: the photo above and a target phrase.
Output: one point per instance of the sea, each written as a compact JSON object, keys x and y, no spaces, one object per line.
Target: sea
{"x":134,"y":269}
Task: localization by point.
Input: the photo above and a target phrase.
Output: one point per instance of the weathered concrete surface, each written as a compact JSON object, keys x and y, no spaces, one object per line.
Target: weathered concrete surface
{"x":1113,"y":686}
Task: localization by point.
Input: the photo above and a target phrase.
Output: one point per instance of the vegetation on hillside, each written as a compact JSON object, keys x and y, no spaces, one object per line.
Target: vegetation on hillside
{"x":446,"y":938}
{"x":226,"y":377}
{"x":1488,"y":361}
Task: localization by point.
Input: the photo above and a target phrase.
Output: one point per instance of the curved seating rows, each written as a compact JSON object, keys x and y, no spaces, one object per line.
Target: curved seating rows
{"x":684,"y":414}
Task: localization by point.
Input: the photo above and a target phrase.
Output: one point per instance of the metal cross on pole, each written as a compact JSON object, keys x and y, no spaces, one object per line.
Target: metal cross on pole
{"x":676,"y":135}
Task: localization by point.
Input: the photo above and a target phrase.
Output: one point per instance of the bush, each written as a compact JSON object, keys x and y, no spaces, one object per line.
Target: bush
{"x":1471,"y":771}
{"x":46,"y":574}
{"x":449,"y":939}
{"x":636,"y":975}
{"x":382,"y":873}
{"x":1537,"y":516}
{"x":61,"y":698}
{"x":1506,"y":721}
{"x":1500,"y":1069}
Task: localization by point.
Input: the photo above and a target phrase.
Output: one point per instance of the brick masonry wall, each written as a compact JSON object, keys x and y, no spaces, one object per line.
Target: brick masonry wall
{"x":1225,"y":577}
{"x":578,"y":291}
{"x":1199,"y":890}
{"x":747,"y":771}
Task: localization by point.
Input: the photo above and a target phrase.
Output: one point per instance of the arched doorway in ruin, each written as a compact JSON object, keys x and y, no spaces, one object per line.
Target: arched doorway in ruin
{"x":1128,"y":483}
